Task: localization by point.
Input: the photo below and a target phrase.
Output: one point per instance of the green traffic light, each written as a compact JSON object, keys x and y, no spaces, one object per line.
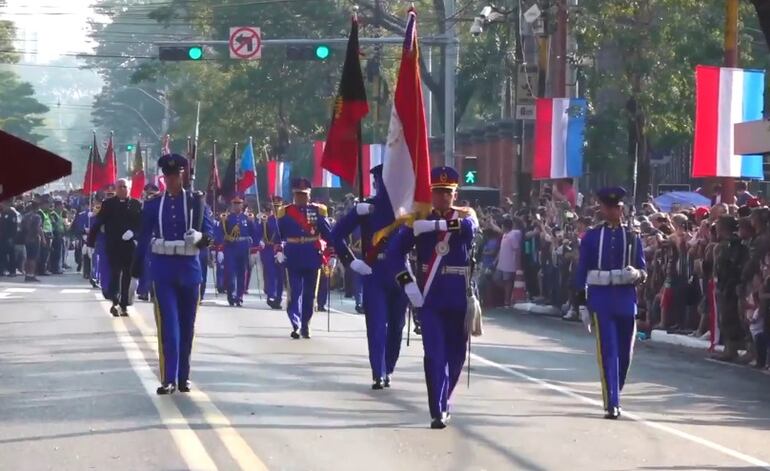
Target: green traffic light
{"x":322,"y":52}
{"x":470,"y":177}
{"x":195,"y":53}
{"x":129,"y":147}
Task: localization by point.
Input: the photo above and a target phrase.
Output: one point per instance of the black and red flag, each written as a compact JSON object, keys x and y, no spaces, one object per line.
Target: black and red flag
{"x":343,"y":144}
{"x":94,"y":177}
{"x":214,"y":186}
{"x":230,"y":180}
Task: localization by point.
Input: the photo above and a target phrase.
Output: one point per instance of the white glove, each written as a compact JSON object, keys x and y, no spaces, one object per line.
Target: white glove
{"x":413,"y":293}
{"x":128,"y":235}
{"x":192,"y":237}
{"x":253,"y":259}
{"x":90,"y":214}
{"x":362,"y":209}
{"x":132,"y":286}
{"x":360,"y":267}
{"x":421,"y":226}
{"x":220,"y":257}
{"x":261,"y":244}
{"x":585,"y":317}
{"x":632,"y":274}
{"x":280,"y":257}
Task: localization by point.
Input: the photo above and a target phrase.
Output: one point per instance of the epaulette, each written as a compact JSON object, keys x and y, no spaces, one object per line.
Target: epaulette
{"x":152,"y":197}
{"x":322,"y":209}
{"x":280,"y":211}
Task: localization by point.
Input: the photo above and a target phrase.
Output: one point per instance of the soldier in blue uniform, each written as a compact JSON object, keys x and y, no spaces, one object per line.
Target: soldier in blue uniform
{"x":143,"y":286}
{"x":611,"y":264}
{"x":175,"y":225}
{"x":272,"y":270}
{"x":218,"y":255}
{"x":235,"y":232}
{"x":444,"y":244}
{"x":304,"y":229}
{"x":384,"y":301}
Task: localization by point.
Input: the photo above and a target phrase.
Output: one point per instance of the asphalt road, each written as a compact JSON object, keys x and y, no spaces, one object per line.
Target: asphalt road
{"x":77,"y":393}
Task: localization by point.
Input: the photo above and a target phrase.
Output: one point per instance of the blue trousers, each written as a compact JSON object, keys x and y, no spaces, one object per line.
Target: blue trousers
{"x":323,"y":289}
{"x":385,"y":308}
{"x":175,"y":309}
{"x":273,"y":275}
{"x":303,"y":285}
{"x":220,"y":268}
{"x":143,"y":287}
{"x":358,"y":288}
{"x":236,"y":265}
{"x":445,"y":344}
{"x":615,"y":334}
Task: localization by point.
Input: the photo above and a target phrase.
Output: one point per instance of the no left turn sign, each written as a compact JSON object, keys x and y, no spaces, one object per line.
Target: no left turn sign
{"x":245,"y":43}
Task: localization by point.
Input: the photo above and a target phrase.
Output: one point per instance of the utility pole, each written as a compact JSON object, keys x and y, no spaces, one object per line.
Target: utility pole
{"x":731,"y":60}
{"x":451,"y":57}
{"x":560,"y":50}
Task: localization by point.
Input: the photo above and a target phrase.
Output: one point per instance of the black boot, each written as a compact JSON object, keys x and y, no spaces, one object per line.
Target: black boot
{"x":440,"y":423}
{"x":386,"y":383}
{"x":613,"y":413}
{"x":294,"y":334}
{"x":114,"y":311}
{"x":184,"y":386}
{"x":378,"y":384}
{"x":166,"y":389}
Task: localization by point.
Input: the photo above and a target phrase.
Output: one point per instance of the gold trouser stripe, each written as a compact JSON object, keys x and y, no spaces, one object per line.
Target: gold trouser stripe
{"x":605,"y":393}
{"x":159,"y":326}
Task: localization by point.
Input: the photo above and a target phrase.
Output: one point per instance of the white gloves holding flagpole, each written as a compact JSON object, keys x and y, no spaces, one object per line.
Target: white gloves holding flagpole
{"x":422,"y":226}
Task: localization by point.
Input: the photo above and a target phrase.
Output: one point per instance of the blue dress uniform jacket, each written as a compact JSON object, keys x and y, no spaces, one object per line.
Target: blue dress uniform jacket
{"x":303,"y":230}
{"x":384,"y":302}
{"x":176,"y":278}
{"x":236,"y":233}
{"x":443,"y":313}
{"x":273,"y":272}
{"x":613,"y":306}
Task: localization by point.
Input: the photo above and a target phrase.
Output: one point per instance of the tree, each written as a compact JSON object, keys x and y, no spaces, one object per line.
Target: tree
{"x":19,"y":109}
{"x":642,"y":84}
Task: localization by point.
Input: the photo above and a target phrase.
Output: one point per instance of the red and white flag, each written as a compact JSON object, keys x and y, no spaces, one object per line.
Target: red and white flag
{"x":406,"y":171}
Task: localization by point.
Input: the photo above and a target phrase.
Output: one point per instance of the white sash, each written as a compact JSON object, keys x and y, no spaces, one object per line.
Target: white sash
{"x":434,"y":267}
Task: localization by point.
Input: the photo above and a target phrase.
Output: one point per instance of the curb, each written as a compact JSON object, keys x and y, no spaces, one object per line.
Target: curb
{"x":537,"y":309}
{"x":661,"y":336}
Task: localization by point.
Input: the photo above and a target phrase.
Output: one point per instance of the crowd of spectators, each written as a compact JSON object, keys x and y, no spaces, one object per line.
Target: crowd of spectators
{"x":36,"y":234}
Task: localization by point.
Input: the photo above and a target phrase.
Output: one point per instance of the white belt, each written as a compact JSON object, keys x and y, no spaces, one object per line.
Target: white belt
{"x":610,"y":277}
{"x":447,"y":270}
{"x":240,"y":239}
{"x":173,"y":247}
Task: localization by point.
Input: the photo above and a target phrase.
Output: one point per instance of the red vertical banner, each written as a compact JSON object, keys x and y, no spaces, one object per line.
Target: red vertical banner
{"x":541,"y":168}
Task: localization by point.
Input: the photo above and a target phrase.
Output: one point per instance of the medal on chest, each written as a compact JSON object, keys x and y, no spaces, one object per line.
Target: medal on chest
{"x":442,"y":248}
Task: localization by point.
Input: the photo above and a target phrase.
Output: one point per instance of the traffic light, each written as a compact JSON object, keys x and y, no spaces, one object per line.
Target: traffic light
{"x":180,"y":53}
{"x":319,"y":52}
{"x":470,"y":171}
{"x":129,"y":147}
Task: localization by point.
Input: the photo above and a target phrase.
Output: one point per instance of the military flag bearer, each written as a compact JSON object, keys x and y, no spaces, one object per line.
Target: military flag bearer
{"x":444,"y":244}
{"x":611,"y":264}
{"x":383,"y":301}
{"x":175,"y":226}
{"x":304,"y":230}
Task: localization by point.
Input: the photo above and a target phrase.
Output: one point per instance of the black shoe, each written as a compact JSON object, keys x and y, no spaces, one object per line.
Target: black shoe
{"x":231,"y":302}
{"x":123,"y":312}
{"x":306,"y":334}
{"x":378,"y":384}
{"x":386,"y":383}
{"x":321,"y":309}
{"x":612,"y":413}
{"x":417,"y":330}
{"x":184,"y":386}
{"x":143,"y":297}
{"x":94,"y":284}
{"x":166,"y":389}
{"x":438,"y":423}
{"x":294,"y":334}
{"x":359,"y":309}
{"x":239,"y":303}
{"x":30,"y":279}
{"x":114,"y":311}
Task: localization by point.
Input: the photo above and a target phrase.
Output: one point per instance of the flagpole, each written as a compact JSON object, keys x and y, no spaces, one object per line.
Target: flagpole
{"x":360,"y":165}
{"x":194,"y":156}
{"x":235,"y":180}
{"x":254,"y":163}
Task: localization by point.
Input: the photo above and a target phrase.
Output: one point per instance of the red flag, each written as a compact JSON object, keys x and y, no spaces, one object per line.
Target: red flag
{"x":110,"y":170}
{"x":342,"y":144}
{"x":94,"y":177}
{"x":137,"y":177}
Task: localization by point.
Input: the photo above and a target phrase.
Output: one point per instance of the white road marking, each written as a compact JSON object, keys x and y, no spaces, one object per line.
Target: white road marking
{"x":654,"y":425}
{"x":20,"y":290}
{"x":240,"y":451}
{"x":9,"y":296}
{"x":75,"y":291}
{"x":190,"y":447}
